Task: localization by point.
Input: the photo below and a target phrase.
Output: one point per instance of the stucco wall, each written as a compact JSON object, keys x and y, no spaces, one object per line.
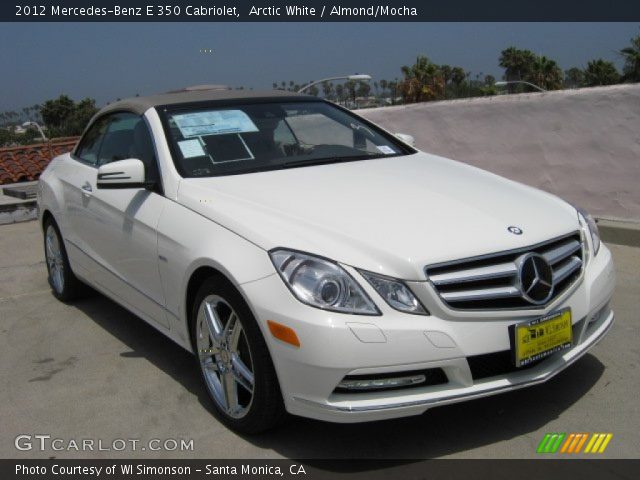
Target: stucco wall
{"x":583,"y":145}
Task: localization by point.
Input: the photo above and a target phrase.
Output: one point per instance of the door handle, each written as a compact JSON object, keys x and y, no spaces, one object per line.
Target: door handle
{"x":86,"y":188}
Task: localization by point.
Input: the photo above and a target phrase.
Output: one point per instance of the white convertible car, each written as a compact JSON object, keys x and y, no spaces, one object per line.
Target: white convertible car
{"x":315,"y":263}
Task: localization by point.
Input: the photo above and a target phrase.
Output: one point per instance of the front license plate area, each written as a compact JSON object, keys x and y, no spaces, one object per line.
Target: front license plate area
{"x":541,"y":337}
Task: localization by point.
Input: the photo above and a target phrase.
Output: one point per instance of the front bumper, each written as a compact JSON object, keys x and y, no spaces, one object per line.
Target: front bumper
{"x":335,"y":345}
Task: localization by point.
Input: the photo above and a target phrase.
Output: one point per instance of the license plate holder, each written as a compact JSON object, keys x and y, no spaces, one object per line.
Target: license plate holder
{"x":534,"y":340}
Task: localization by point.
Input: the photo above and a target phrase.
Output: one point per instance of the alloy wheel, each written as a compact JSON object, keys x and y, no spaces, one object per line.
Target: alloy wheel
{"x":55,"y":260}
{"x":225,"y":358}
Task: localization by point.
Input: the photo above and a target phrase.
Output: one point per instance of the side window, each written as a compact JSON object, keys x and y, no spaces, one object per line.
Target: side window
{"x":90,"y":143}
{"x":118,"y":141}
{"x":127,"y":136}
{"x":282,"y":134}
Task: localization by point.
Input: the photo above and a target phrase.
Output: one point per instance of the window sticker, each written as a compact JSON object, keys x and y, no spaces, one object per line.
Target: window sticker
{"x":386,"y":149}
{"x":216,"y":122}
{"x":227,"y":148}
{"x":191,"y":148}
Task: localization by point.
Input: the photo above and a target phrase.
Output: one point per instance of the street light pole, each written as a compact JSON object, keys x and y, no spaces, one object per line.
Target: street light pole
{"x":38,"y":127}
{"x":511,"y":82}
{"x":330,"y":79}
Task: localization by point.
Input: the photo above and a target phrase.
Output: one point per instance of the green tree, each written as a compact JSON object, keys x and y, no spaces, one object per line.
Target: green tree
{"x":393,"y":87}
{"x":545,"y":73}
{"x":327,"y":90}
{"x":517,"y":65}
{"x":340,"y":93}
{"x":422,"y":81}
{"x":631,"y":56}
{"x":363,"y":89}
{"x":63,"y":117}
{"x":574,"y":77}
{"x":601,"y":72}
{"x":458,"y":76}
{"x":350,"y":87}
{"x":525,"y":66}
{"x":55,"y":113}
{"x":6,"y":137}
{"x":383,"y":86}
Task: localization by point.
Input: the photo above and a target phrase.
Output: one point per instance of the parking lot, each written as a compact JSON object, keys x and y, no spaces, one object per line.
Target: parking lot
{"x":91,"y":370}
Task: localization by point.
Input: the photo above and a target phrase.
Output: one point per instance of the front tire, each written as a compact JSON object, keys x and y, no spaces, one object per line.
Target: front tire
{"x":64,"y":284}
{"x":234,"y":360}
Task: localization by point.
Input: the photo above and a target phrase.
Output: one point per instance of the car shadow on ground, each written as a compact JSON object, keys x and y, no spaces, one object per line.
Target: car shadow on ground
{"x":439,"y":432}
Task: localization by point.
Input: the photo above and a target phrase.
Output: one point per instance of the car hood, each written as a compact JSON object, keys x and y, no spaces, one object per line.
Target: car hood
{"x":393,"y":215}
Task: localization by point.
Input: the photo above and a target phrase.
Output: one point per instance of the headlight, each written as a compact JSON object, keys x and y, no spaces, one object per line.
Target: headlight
{"x":321,"y":283}
{"x":593,"y":230}
{"x":395,"y":293}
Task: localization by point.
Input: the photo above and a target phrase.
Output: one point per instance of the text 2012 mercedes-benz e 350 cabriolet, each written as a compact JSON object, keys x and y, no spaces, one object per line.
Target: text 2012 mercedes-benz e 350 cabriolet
{"x":317,"y":264}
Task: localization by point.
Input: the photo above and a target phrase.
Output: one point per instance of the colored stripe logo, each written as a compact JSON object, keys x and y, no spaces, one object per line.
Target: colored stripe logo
{"x":573,"y":443}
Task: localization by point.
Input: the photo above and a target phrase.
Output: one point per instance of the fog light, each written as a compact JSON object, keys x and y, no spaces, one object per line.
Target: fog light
{"x":354,"y":384}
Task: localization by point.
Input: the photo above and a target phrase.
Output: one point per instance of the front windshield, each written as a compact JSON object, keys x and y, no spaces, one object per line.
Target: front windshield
{"x":236,"y":139}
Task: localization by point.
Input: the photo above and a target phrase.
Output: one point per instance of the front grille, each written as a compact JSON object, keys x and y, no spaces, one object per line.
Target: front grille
{"x":495,"y":364}
{"x":491,"y":282}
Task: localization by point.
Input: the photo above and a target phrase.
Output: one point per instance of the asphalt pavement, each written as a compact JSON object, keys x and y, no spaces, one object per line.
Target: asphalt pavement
{"x":91,"y":370}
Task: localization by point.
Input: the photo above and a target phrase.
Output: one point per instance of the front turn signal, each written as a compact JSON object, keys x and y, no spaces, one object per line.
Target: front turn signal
{"x":283,"y":333}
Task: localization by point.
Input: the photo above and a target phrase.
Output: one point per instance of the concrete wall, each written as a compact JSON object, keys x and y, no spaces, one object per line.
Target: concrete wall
{"x":583,"y":145}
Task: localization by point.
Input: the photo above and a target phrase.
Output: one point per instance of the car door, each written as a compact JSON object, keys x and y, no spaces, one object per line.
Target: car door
{"x":121,"y":224}
{"x":77,"y":174}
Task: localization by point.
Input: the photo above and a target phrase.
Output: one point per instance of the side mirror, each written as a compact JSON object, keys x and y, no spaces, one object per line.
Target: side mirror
{"x":408,"y":139}
{"x":127,"y":173}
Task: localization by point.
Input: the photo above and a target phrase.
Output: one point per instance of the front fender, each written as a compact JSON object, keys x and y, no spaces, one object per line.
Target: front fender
{"x":50,"y":197}
{"x":188,"y":241}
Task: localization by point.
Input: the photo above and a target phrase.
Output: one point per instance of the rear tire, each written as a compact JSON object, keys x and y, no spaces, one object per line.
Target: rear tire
{"x":234,"y":360}
{"x":64,"y":284}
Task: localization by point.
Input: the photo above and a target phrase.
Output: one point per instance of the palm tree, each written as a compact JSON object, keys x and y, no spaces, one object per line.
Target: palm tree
{"x":600,"y":72}
{"x":517,"y":64}
{"x":327,"y":89}
{"x":422,"y":81}
{"x":350,"y":90}
{"x":339,"y":92}
{"x":574,"y":77}
{"x":631,"y":56}
{"x":383,"y":86}
{"x":545,"y":73}
{"x":363,"y":89}
{"x":393,"y":88}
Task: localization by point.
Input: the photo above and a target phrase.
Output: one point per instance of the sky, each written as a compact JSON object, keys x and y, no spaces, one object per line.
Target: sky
{"x":107,"y":61}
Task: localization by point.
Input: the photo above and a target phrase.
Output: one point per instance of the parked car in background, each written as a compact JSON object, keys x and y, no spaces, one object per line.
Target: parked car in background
{"x":315,"y":263}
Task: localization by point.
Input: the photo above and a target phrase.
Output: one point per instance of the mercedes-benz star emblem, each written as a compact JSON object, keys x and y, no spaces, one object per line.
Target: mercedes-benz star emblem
{"x":515,"y":230}
{"x":535,"y":278}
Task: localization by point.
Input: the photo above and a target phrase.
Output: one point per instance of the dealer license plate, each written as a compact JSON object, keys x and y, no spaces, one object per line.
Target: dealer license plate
{"x":542,"y":337}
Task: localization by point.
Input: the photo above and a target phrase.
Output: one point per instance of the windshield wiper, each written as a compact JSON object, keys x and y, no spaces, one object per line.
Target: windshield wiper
{"x":302,"y":163}
{"x":329,"y":160}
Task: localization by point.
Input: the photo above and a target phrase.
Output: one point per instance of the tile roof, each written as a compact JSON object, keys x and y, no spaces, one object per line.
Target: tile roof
{"x":26,"y":162}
